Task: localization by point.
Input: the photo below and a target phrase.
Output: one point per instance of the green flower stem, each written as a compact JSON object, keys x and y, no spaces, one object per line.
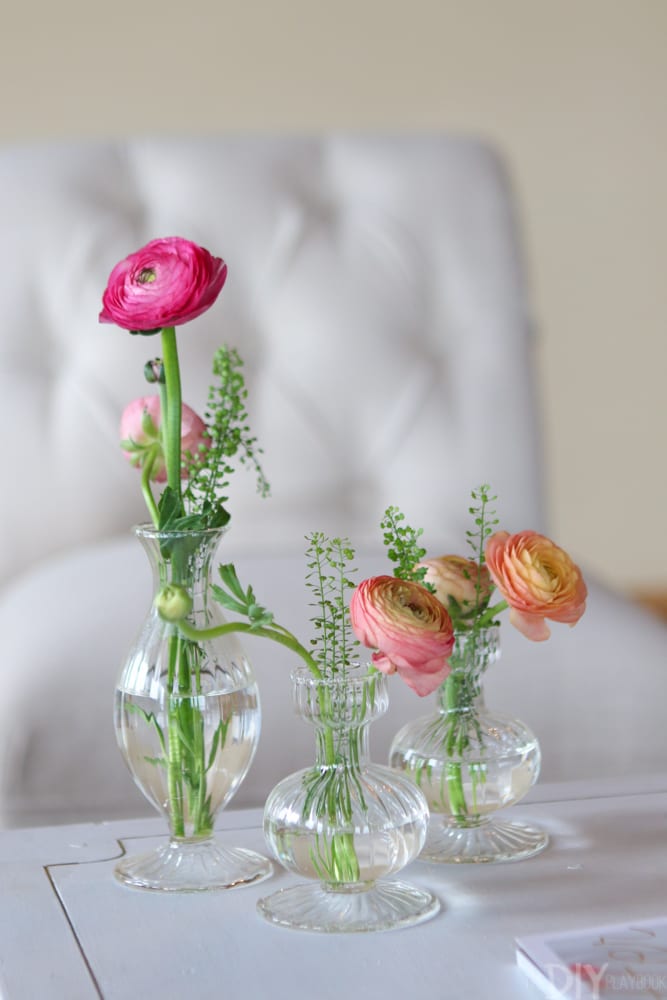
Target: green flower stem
{"x":174,"y":758}
{"x":146,"y":489}
{"x":334,"y":856}
{"x":277,"y":633}
{"x":345,"y":864}
{"x":164,"y":410}
{"x":172,"y":418}
{"x":344,"y":860}
{"x":457,"y":799}
{"x":487,"y":619}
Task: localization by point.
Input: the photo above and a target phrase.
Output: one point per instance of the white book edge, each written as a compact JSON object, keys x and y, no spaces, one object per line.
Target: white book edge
{"x":538,"y":958}
{"x":571,"y":989}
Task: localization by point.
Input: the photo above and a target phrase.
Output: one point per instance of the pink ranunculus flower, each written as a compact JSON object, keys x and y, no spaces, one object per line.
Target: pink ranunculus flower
{"x":408,"y":626}
{"x":140,"y":434}
{"x":538,"y":580}
{"x":166,"y":283}
{"x":460,"y":584}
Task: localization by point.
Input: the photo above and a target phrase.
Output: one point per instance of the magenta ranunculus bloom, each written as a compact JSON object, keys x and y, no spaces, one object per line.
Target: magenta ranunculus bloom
{"x":408,"y":626}
{"x":140,"y":435}
{"x":538,"y":580}
{"x":166,"y":283}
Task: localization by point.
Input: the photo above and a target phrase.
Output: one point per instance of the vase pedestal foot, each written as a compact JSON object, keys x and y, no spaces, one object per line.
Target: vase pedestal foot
{"x":193,"y":866}
{"x":382,"y":907}
{"x":491,"y":842}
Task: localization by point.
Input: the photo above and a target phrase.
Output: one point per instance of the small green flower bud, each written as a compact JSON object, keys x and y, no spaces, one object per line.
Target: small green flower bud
{"x":154,"y":371}
{"x":173,"y":603}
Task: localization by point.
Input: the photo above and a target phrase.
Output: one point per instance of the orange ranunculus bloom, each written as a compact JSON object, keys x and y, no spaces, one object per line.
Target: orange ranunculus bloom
{"x":538,"y":580}
{"x":408,"y":626}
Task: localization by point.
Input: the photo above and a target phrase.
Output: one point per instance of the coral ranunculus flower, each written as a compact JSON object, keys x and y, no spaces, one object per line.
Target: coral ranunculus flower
{"x":538,"y":580}
{"x":166,"y":283}
{"x":140,"y":435}
{"x":408,"y":626}
{"x":460,"y":584}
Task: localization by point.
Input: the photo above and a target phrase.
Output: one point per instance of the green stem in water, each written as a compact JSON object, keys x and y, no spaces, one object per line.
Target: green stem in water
{"x":174,"y":756}
{"x":457,"y":799}
{"x":171,"y":420}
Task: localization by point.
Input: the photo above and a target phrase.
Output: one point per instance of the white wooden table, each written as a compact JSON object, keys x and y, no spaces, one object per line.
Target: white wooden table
{"x":69,"y":930}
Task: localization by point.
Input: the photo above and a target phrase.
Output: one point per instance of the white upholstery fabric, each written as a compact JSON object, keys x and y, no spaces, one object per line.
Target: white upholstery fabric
{"x":375,"y":293}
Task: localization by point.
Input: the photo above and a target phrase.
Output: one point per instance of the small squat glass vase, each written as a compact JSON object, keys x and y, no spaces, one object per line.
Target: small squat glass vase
{"x":470,"y":763}
{"x":345,"y":823}
{"x":187,"y":720}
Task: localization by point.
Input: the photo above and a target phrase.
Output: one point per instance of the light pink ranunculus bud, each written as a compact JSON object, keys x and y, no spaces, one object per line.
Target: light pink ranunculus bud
{"x":538,"y":580}
{"x":408,"y":626}
{"x":140,"y":435}
{"x":166,"y":283}
{"x":460,"y":584}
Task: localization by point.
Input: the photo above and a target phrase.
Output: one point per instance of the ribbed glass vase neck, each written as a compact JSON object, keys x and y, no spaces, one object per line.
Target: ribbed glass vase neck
{"x":182,"y":557}
{"x":474,"y":650}
{"x":342,"y":747}
{"x":341,"y":707}
{"x":461,"y":692}
{"x":347,"y":698}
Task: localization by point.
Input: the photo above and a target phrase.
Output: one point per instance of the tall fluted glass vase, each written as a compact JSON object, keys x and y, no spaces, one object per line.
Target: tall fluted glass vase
{"x":345,"y":823}
{"x":187,"y":719}
{"x":470,"y":763}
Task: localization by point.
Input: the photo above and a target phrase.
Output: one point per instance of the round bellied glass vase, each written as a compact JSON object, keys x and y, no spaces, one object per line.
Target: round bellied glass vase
{"x":345,"y":823}
{"x":470,"y":763}
{"x":187,"y":720}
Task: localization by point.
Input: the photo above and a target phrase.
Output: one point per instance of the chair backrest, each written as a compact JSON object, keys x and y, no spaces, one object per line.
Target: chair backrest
{"x":375,"y":294}
{"x":374,"y":291}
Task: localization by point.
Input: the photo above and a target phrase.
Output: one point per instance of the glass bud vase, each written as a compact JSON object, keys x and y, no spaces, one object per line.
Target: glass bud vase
{"x":187,"y":719}
{"x":470,"y":763}
{"x":345,"y":823}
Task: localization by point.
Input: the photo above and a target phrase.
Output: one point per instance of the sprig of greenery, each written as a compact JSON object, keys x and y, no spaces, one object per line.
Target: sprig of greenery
{"x":484,"y":519}
{"x":228,"y":438}
{"x":403,"y":548}
{"x":328,"y":578}
{"x":485,"y":522}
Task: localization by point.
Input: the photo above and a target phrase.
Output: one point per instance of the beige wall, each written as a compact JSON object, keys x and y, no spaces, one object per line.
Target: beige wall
{"x":574,"y":92}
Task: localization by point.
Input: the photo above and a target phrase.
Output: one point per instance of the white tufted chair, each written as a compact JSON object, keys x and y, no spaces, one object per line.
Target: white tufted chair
{"x":375,"y":292}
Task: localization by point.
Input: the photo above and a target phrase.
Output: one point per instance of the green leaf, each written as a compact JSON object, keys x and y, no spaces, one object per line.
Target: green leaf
{"x":169,"y":509}
{"x":227,"y":601}
{"x":219,"y":738}
{"x":157,"y":761}
{"x":227,"y":573}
